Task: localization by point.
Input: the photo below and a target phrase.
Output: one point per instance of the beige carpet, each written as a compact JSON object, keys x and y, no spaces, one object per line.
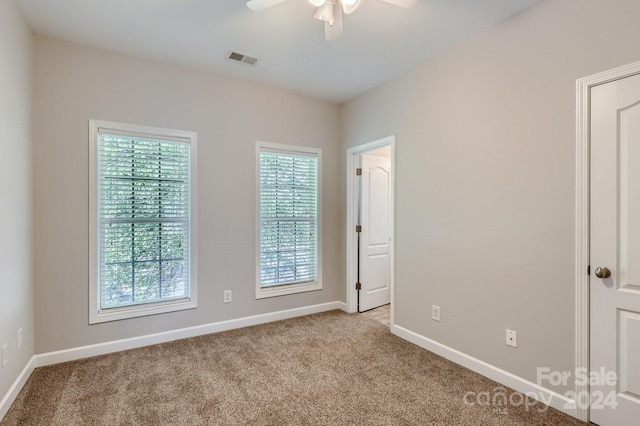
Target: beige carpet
{"x":326,"y":369}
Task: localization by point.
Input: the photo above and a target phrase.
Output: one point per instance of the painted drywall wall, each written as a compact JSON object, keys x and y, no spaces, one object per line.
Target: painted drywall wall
{"x":485,"y":179}
{"x":16,"y":284}
{"x":74,"y":84}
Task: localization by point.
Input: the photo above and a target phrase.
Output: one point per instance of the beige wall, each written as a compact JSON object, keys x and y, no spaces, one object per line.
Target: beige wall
{"x":16,"y":287}
{"x":74,"y":84}
{"x":485,"y":178}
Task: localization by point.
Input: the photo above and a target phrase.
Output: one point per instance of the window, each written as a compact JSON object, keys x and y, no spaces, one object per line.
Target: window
{"x":142,"y":238}
{"x":289,"y":246}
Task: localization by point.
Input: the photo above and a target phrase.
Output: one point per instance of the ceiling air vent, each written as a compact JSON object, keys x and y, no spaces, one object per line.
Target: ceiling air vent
{"x":242,"y":58}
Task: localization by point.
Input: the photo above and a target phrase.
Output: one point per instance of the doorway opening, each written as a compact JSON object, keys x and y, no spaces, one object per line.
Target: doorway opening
{"x":371,"y":226}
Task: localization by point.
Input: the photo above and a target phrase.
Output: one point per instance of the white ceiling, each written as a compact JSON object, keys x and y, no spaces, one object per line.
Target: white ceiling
{"x":380,"y":40}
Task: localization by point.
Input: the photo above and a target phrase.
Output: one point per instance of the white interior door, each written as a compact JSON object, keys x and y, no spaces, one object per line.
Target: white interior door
{"x":615,"y":245}
{"x":375,"y":235}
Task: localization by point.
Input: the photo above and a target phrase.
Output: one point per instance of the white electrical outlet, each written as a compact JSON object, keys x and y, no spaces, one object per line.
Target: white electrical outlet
{"x":19,"y":338}
{"x":227,"y":296}
{"x":435,"y":313}
{"x":512,"y":338}
{"x":5,"y":354}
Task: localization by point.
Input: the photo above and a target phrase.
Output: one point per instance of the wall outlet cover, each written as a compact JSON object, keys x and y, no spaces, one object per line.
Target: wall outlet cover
{"x":435,"y":312}
{"x":512,"y":339}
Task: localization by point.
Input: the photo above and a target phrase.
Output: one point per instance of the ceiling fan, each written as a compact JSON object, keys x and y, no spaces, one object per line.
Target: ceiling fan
{"x":328,"y":11}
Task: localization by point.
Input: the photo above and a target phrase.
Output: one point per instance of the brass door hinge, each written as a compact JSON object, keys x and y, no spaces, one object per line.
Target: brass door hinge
{"x":358,"y":228}
{"x":358,"y":286}
{"x":358,"y":171}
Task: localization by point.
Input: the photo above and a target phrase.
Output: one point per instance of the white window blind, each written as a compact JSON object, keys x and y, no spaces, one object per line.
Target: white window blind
{"x":288,"y":199}
{"x":144,"y":212}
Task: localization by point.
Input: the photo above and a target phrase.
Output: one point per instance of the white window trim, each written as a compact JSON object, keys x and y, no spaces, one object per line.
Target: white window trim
{"x":281,"y":290}
{"x":95,"y":314}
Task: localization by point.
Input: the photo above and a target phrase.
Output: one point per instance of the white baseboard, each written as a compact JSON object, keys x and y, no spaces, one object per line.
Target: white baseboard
{"x":542,"y":394}
{"x":15,"y":389}
{"x":72,"y":354}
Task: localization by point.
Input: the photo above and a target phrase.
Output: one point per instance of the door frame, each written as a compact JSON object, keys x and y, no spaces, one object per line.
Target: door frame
{"x":351,"y":261}
{"x":583,"y":102}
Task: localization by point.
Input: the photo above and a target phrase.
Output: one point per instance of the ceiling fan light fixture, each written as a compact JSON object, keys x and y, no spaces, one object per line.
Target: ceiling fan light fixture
{"x":331,"y":12}
{"x":349,"y":5}
{"x":325,"y":12}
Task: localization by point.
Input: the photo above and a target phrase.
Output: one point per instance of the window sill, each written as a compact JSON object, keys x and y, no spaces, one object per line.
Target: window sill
{"x":282,"y":290}
{"x":116,"y":314}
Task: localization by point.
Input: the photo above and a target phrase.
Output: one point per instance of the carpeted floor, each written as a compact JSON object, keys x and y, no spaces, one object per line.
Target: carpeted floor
{"x":326,"y":369}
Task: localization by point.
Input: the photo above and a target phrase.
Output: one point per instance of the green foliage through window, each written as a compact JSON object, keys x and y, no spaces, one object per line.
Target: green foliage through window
{"x":288,"y":218}
{"x":144,"y":220}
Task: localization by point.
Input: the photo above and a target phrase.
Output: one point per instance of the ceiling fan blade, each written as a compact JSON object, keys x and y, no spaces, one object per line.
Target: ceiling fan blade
{"x":258,"y":5}
{"x":333,"y":31}
{"x":402,"y":3}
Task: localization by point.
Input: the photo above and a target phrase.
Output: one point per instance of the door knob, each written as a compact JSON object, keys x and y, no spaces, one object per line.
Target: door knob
{"x":602,"y":272}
